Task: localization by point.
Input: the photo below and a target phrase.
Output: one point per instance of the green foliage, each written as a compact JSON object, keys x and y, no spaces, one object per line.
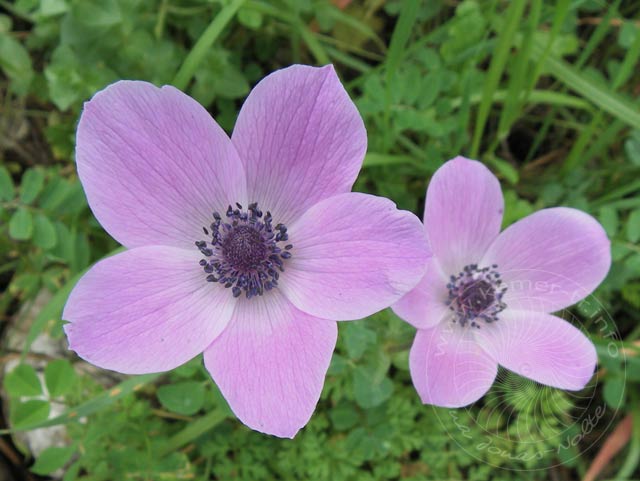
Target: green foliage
{"x":544,"y":92}
{"x":25,"y":413}
{"x":183,"y":398}
{"x":52,"y":459}
{"x":59,"y":377}
{"x":22,"y":381}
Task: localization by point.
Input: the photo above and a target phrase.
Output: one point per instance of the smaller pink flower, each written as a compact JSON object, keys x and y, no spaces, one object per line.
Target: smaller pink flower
{"x":486,"y":297}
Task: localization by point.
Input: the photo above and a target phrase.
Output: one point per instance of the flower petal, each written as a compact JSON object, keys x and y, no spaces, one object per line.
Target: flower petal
{"x":154,"y":164}
{"x":145,"y":310}
{"x":270,"y":363}
{"x":541,"y":347}
{"x":353,"y":254}
{"x":463,"y":213}
{"x":425,"y":306}
{"x":301,"y":139}
{"x":550,"y":259}
{"x":448,"y":367}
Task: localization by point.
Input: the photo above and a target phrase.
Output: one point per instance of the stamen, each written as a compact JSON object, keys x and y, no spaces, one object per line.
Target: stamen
{"x":475,"y":295}
{"x":244,"y":252}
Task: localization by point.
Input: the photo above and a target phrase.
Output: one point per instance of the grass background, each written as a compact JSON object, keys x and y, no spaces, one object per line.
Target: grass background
{"x":545,"y":93}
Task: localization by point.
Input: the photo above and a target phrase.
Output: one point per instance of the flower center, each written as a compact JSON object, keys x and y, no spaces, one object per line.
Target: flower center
{"x":244,"y":248}
{"x":476,"y":295}
{"x":245,"y":252}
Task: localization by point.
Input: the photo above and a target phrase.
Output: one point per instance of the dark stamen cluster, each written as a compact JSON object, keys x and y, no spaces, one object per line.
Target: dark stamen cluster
{"x":243,"y":252}
{"x":476,"y":294}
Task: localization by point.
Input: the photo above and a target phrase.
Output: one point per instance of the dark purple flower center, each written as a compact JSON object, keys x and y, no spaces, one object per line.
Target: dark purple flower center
{"x":476,"y":295}
{"x":245,"y":252}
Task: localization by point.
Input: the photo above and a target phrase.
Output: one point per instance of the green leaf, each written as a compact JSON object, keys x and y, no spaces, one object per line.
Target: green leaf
{"x":98,"y":15}
{"x":369,"y":388}
{"x":23,"y":381}
{"x":357,"y":338}
{"x":188,"y":369}
{"x":631,"y":293}
{"x":63,"y":80}
{"x":72,"y":471}
{"x":628,"y":34}
{"x":250,"y":18}
{"x":183,"y":398}
{"x":338,"y":365}
{"x":517,"y":208}
{"x":55,"y":193}
{"x":16,"y":63}
{"x":21,"y":224}
{"x":44,"y":232}
{"x":82,"y":254}
{"x":6,"y":184}
{"x":60,"y":377}
{"x":632,"y":147}
{"x":344,"y":416}
{"x":614,"y":392}
{"x":25,"y":283}
{"x":51,"y":8}
{"x":52,"y":459}
{"x":5,"y":23}
{"x":29,"y":412}
{"x":505,"y":169}
{"x":31,"y":185}
{"x":609,"y":220}
{"x":633,"y":226}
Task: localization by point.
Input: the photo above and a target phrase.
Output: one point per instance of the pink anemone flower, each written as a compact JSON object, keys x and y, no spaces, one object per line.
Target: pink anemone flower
{"x":486,"y":296}
{"x":245,"y":249}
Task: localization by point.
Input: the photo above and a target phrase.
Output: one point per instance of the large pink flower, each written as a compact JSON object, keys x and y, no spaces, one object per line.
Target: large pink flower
{"x":486,"y":297}
{"x":247,"y":249}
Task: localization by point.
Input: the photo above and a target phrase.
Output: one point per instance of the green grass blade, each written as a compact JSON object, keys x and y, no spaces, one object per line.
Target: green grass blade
{"x":399,"y":39}
{"x":598,"y":35}
{"x":547,"y":97}
{"x":204,"y":44}
{"x":519,"y":84}
{"x":600,"y":96}
{"x":313,"y":44}
{"x":575,"y":156}
{"x":498,"y":63}
{"x":348,"y":60}
{"x":346,"y":19}
{"x":298,"y":26}
{"x":400,"y":36}
{"x":193,"y":430}
{"x":373,"y":159}
{"x":605,"y":139}
{"x":629,"y":64}
{"x":559,"y":15}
